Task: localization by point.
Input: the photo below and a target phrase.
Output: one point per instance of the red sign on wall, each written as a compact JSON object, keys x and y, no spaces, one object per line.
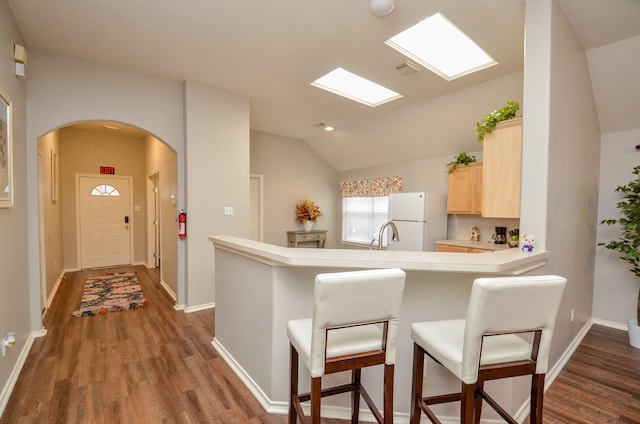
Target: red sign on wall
{"x":109,"y":170}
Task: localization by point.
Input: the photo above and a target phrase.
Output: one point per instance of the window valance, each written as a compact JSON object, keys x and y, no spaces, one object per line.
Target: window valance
{"x":371,"y":187}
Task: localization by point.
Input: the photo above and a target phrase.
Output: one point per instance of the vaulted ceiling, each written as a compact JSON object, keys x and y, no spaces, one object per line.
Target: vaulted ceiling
{"x":270,"y":51}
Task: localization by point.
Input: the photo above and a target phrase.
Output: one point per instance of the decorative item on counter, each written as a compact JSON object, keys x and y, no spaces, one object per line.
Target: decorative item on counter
{"x":307,"y":212}
{"x":492,"y":119}
{"x":475,"y":234}
{"x":527,"y":242}
{"x":461,"y":159}
{"x":514,"y":235}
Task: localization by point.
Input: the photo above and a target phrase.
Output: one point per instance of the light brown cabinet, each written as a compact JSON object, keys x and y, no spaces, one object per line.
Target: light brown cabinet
{"x":458,"y":249}
{"x":465,"y":190}
{"x":502,"y":168}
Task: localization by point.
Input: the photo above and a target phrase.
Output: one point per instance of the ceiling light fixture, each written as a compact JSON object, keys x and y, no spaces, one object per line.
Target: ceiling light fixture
{"x":381,"y":8}
{"x":328,"y":128}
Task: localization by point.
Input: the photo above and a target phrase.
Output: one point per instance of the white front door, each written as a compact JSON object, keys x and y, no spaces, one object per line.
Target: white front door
{"x":105,"y":221}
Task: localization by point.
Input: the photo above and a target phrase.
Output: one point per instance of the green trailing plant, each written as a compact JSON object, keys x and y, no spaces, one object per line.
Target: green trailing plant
{"x":460,"y":159}
{"x":492,"y":119}
{"x":628,"y":244}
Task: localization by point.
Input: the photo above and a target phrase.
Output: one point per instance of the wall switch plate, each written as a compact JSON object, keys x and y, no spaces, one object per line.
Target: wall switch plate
{"x":228,"y":210}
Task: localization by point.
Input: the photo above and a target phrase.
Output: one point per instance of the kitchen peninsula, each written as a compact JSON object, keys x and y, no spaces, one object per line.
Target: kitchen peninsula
{"x":260,"y":287}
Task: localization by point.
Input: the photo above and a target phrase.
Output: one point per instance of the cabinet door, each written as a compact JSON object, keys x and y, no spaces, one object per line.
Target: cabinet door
{"x":502,"y":160}
{"x":465,"y":190}
{"x":451,"y":249}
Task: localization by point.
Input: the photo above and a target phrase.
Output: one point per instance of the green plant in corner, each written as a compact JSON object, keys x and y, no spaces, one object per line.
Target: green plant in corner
{"x":492,"y":119}
{"x":460,"y":159}
{"x":628,"y":244}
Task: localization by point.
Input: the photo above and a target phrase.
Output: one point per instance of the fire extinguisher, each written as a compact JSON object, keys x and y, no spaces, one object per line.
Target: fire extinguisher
{"x":182,"y":224}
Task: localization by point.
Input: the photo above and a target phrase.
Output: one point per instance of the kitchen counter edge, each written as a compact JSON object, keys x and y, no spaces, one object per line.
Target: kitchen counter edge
{"x":508,"y":261}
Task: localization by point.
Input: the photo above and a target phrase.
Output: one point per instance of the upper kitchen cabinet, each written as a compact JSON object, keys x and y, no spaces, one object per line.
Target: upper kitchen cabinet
{"x":502,"y":160}
{"x":465,"y":190}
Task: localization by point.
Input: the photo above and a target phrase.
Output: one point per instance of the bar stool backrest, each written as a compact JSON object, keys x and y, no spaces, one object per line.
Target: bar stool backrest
{"x":510,"y":305}
{"x":346,"y":299}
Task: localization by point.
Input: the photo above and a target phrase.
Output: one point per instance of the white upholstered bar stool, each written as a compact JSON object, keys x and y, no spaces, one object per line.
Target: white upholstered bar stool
{"x":487,"y":346}
{"x":354,"y":325}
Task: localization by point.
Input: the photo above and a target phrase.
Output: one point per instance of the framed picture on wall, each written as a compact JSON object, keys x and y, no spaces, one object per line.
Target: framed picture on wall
{"x":55,"y":175}
{"x":6,"y":160}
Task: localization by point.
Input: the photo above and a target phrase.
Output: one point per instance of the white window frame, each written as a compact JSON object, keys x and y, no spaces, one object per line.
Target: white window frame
{"x":377,"y":212}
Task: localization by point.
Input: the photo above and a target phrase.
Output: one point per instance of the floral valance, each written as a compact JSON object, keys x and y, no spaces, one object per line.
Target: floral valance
{"x":371,"y":187}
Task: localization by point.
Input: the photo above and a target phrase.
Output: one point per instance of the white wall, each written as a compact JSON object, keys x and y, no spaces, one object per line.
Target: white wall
{"x":616,"y":288}
{"x":14,"y":288}
{"x":292,"y":171}
{"x":561,"y":155}
{"x":217,"y":176}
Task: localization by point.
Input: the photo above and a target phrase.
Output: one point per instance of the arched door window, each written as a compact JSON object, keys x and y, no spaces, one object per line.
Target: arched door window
{"x":105,"y":190}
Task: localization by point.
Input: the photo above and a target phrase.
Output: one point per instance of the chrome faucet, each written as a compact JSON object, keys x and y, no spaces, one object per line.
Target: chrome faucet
{"x":394,"y":234}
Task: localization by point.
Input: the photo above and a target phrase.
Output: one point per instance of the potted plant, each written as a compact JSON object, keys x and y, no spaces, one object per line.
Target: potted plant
{"x":462,"y":159}
{"x":492,"y":119}
{"x":628,"y":244}
{"x":307,"y":212}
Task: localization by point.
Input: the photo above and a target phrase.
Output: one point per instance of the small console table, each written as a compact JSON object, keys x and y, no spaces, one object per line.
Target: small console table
{"x":317,"y":236}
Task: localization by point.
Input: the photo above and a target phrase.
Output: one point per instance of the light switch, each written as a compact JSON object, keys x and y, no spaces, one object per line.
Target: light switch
{"x":228,"y":210}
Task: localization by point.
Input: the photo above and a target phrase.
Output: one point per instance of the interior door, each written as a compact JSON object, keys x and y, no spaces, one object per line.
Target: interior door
{"x":105,"y":220}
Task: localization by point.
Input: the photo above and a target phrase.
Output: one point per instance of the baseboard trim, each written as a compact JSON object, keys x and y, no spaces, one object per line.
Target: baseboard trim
{"x":54,"y":291}
{"x":166,"y":288}
{"x":17,"y":368}
{"x":190,"y":309}
{"x":610,"y":324}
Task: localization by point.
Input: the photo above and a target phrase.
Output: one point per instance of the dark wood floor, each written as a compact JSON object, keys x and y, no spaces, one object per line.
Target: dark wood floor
{"x":157,"y":365}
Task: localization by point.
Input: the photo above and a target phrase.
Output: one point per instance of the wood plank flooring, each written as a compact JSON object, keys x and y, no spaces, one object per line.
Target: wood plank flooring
{"x":157,"y":365}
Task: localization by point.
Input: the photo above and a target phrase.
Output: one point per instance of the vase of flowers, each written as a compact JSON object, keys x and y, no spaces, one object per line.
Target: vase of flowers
{"x":307,"y":212}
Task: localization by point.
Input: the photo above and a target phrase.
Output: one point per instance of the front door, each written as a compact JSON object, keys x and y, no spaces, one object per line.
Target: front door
{"x":105,"y":220}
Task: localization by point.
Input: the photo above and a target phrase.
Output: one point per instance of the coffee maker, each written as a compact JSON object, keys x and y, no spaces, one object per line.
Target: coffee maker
{"x":500,"y":237}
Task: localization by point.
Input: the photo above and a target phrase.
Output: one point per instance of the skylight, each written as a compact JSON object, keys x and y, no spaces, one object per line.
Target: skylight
{"x":441,"y":47}
{"x":354,"y":87}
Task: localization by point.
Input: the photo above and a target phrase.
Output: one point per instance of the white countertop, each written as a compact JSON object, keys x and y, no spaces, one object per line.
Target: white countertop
{"x":507,"y":261}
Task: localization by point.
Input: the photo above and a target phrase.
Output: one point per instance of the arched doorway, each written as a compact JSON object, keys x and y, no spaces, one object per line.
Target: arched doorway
{"x":100,"y":148}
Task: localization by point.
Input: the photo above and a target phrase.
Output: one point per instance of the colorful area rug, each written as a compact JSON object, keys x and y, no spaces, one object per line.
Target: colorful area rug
{"x":111,"y":292}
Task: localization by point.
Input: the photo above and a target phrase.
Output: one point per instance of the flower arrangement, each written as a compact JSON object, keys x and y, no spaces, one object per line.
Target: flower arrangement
{"x":307,"y":210}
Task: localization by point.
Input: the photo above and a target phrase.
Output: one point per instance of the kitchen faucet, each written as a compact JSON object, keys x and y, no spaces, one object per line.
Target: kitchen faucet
{"x":394,"y":234}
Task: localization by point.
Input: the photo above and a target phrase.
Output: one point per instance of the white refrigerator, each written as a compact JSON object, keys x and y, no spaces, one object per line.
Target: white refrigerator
{"x":421,"y":219}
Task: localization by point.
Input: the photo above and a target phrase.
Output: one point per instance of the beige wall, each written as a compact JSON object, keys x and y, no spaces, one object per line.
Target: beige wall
{"x":162,"y":160}
{"x":51,"y":212}
{"x":83,"y":152}
{"x":15,"y":305}
{"x":217,"y":175}
{"x":560,"y":170}
{"x":292,"y":171}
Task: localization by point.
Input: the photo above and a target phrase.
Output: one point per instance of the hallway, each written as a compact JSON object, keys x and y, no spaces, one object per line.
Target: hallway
{"x":147,"y":365}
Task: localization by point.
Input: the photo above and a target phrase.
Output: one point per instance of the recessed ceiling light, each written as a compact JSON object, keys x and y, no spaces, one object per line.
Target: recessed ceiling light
{"x":356,"y":88}
{"x":329,"y":128}
{"x":440,"y":46}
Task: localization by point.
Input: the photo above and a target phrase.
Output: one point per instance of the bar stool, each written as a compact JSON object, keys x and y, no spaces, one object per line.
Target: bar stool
{"x":487,"y":344}
{"x":354,"y":325}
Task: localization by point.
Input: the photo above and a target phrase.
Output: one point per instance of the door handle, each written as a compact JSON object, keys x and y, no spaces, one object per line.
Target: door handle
{"x":126,"y":219}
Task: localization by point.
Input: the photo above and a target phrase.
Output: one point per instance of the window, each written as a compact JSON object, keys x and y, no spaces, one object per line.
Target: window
{"x":105,"y":190}
{"x":362,"y":218}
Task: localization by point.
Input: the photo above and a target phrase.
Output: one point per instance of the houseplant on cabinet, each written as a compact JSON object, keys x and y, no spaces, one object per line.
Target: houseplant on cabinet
{"x":491,"y":120}
{"x":628,"y":244}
